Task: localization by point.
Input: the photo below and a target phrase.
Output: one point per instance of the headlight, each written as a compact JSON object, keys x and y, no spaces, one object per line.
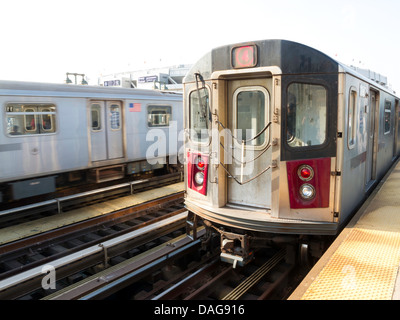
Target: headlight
{"x":199,"y":178}
{"x":307,"y":191}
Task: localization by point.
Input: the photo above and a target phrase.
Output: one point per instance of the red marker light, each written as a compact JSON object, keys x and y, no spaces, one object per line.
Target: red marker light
{"x":305,"y":172}
{"x":200,"y":163}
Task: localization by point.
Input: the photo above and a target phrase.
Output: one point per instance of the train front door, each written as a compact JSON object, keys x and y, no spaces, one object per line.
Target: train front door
{"x":248,"y":112}
{"x":106,"y":130}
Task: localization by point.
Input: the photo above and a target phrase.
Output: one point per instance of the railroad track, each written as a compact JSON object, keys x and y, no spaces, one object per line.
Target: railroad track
{"x":135,"y":254}
{"x":98,"y":242}
{"x":114,"y":280}
{"x":167,"y":273}
{"x":74,"y":198}
{"x":259,"y":280}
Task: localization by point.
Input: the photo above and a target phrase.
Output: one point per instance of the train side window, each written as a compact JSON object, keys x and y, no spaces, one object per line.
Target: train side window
{"x":28,"y":119}
{"x":115,"y":118}
{"x":96,"y":117}
{"x":47,"y":122}
{"x":199,"y":115}
{"x":158,"y":116}
{"x":388,"y":116}
{"x":351,"y":120}
{"x":306,"y":115}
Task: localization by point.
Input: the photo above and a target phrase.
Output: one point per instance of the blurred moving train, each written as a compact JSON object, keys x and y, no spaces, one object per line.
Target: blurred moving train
{"x":53,"y":135}
{"x":284,"y":144}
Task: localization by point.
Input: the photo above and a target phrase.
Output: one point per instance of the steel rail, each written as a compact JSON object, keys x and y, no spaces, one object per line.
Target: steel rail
{"x":245,"y":286}
{"x":116,"y":285}
{"x":134,"y":268}
{"x":174,"y":290}
{"x":95,"y":249}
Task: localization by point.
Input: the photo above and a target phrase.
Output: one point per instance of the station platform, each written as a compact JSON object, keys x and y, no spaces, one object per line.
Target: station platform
{"x":24,"y":230}
{"x":363,"y":262}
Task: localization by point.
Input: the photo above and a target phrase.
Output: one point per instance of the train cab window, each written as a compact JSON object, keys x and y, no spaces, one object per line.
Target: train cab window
{"x":28,"y":119}
{"x":158,"y":116}
{"x":199,"y":115}
{"x":388,"y":115}
{"x":351,"y":121}
{"x":96,"y":117}
{"x":306,"y":115}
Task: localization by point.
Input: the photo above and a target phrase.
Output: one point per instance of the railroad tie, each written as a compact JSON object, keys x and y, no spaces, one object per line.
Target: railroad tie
{"x":245,"y":286}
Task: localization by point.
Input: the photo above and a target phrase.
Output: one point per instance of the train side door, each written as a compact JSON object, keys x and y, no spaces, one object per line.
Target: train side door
{"x":248,"y":112}
{"x":114,"y":129}
{"x":106,"y":130}
{"x":371,"y":132}
{"x":396,"y":128}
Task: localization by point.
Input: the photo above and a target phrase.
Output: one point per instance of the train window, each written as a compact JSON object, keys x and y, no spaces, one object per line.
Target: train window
{"x":47,"y":120}
{"x":96,"y":117}
{"x":306,"y":115}
{"x":199,"y":115}
{"x":251,"y":115}
{"x":388,"y":115}
{"x":115,"y":118}
{"x":158,"y":116}
{"x":28,"y":119}
{"x":351,"y":120}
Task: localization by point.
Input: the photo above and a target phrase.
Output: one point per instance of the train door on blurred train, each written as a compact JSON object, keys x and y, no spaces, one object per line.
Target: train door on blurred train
{"x":106,"y":130}
{"x":396,"y":128}
{"x":248,"y":104}
{"x":371,"y":132}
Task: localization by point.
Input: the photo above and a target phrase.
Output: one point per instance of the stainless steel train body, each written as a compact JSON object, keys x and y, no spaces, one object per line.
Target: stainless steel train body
{"x":282,"y":139}
{"x":53,"y":134}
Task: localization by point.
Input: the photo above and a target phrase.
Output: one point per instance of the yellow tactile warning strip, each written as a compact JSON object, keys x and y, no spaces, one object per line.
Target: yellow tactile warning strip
{"x":365,"y":265}
{"x":56,"y":221}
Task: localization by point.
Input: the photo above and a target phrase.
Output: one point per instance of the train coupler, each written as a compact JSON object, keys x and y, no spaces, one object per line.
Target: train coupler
{"x":235,"y":249}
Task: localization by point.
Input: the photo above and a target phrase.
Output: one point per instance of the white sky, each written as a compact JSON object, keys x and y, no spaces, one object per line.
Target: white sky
{"x":41,"y":40}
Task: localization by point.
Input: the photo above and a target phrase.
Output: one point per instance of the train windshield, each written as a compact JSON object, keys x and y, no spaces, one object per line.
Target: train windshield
{"x":199,"y":109}
{"x":306,"y":115}
{"x":251,"y":115}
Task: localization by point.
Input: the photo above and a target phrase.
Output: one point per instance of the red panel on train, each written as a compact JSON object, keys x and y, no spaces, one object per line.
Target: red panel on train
{"x":320,"y":181}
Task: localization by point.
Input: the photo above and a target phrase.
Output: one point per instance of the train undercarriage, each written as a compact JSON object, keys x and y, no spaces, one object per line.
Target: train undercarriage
{"x":238,"y":247}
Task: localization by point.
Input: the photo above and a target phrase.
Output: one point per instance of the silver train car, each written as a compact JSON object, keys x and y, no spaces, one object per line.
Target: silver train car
{"x":284,"y":143}
{"x":52,"y":135}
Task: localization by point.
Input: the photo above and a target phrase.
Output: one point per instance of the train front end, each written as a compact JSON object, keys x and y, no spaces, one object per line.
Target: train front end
{"x":260,"y":120}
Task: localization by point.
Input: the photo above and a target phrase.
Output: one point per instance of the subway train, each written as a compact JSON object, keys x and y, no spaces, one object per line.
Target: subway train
{"x":284,"y":144}
{"x":55,"y":135}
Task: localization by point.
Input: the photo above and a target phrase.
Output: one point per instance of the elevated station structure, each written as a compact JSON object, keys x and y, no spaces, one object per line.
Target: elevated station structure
{"x":166,"y":78}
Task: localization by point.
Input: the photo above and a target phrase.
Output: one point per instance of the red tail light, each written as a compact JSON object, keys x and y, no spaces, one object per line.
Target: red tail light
{"x":309,"y":183}
{"x":305,"y":172}
{"x":197,"y":167}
